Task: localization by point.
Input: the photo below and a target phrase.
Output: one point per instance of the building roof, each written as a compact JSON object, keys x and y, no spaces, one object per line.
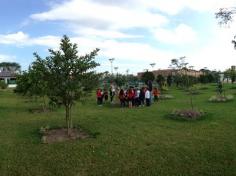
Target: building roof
{"x":7,"y":74}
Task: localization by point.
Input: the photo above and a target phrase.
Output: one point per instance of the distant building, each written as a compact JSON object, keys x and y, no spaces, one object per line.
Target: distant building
{"x":167,"y":72}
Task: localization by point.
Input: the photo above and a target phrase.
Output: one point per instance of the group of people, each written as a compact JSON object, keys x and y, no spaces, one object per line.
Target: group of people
{"x":132,"y":97}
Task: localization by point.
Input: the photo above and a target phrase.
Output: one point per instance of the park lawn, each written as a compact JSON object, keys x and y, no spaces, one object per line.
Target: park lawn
{"x":140,"y":141}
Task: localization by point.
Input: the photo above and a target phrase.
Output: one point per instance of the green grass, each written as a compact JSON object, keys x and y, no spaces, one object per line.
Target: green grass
{"x":139,"y":141}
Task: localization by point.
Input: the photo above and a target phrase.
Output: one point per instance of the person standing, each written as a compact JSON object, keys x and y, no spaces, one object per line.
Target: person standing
{"x":142,"y":96}
{"x":99,"y":97}
{"x":156,"y":94}
{"x":122,"y":98}
{"x":148,"y":97}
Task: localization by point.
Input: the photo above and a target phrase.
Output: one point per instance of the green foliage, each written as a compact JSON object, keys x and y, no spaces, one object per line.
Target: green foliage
{"x":147,"y":76}
{"x":63,"y":76}
{"x":3,"y":85}
{"x":10,"y":66}
{"x":230,"y":74}
{"x":169,"y":80}
{"x":160,"y":80}
{"x":120,"y":80}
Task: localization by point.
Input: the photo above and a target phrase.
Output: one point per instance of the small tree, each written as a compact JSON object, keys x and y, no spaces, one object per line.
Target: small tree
{"x":70,"y":76}
{"x":160,"y":80}
{"x":34,"y":81}
{"x":169,"y":80}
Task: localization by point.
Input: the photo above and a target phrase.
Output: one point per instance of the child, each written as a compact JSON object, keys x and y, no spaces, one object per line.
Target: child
{"x":130,"y":97}
{"x":156,"y":94}
{"x":105,"y":94}
{"x":122,"y":98}
{"x":142,"y":96}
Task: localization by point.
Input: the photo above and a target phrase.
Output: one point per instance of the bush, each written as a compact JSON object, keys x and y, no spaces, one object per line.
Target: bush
{"x":187,"y":114}
{"x":221,"y":98}
{"x":3,"y":85}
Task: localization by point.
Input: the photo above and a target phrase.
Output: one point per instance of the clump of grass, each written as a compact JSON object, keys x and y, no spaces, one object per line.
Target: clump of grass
{"x":221,"y":98}
{"x":166,"y":97}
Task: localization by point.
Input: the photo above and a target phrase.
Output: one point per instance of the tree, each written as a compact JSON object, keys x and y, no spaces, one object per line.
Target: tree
{"x":147,"y":76}
{"x":160,"y":80}
{"x":10,"y":66}
{"x":34,"y":81}
{"x":169,"y":80}
{"x":64,"y":76}
{"x":226,"y":16}
{"x":70,"y":76}
{"x":230,"y":74}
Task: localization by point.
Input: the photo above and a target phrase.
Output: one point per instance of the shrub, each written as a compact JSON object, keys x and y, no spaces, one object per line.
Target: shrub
{"x":221,"y":98}
{"x":187,"y":114}
{"x":3,"y":85}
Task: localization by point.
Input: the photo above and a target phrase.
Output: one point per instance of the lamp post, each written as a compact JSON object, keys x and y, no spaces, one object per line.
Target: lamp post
{"x":111,"y":61}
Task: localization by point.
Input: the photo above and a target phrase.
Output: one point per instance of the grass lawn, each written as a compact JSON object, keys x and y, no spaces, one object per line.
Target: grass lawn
{"x":140,"y":141}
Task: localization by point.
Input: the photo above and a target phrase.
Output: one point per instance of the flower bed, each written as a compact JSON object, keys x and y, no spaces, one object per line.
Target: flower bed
{"x":187,"y":114}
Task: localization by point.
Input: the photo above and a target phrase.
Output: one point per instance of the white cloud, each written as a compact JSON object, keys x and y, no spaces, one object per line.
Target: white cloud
{"x":183,"y":34}
{"x":218,"y":53}
{"x":174,"y":7}
{"x":101,"y":15}
{"x":105,"y":34}
{"x":14,"y":38}
{"x":22,"y":39}
{"x":6,"y":58}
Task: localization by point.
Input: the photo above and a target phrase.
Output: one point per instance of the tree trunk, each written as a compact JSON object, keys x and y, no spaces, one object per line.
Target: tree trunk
{"x":68,"y":119}
{"x":191,"y":99}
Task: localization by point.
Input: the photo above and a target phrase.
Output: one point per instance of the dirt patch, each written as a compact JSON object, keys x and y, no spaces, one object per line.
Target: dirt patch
{"x":61,"y":135}
{"x":187,"y":114}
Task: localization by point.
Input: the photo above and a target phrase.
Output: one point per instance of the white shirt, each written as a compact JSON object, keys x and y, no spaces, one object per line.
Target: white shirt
{"x":147,"y":94}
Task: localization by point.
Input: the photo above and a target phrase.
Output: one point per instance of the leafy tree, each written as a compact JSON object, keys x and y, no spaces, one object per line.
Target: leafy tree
{"x":64,"y":76}
{"x":120,"y":80}
{"x":70,"y":76}
{"x":230,"y":74}
{"x":160,"y":80}
{"x":34,"y":82}
{"x":147,"y":76}
{"x":169,"y":80}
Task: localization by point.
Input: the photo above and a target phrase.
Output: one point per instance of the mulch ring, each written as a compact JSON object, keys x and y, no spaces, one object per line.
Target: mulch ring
{"x":39,"y":110}
{"x":61,"y":135}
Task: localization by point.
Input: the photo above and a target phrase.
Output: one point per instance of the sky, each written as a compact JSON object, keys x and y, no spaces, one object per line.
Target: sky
{"x":135,"y":33}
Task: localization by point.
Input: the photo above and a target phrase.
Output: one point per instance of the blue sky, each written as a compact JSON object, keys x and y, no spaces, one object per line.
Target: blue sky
{"x":134,"y":32}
